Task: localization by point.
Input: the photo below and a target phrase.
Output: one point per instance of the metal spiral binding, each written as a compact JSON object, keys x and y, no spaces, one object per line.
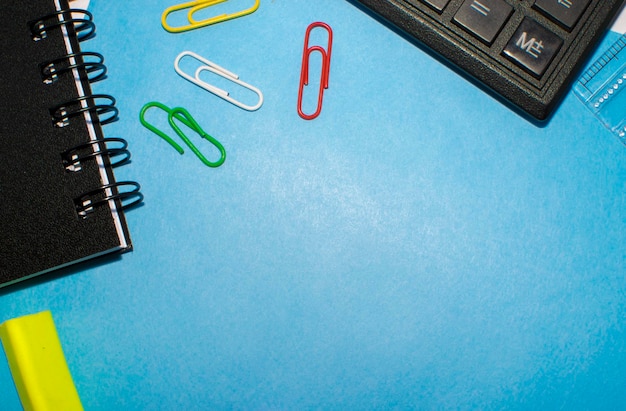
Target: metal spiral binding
{"x":51,"y":70}
{"x":100,"y":107}
{"x":74,"y":157}
{"x":88,"y":202}
{"x":62,"y":113}
{"x":83,"y":26}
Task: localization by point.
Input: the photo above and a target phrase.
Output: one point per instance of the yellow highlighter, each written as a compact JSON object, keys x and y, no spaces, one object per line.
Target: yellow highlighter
{"x":37,"y":363}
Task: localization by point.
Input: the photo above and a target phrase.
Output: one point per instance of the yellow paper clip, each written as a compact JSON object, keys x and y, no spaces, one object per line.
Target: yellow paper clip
{"x":220,"y":71}
{"x":197,"y":5}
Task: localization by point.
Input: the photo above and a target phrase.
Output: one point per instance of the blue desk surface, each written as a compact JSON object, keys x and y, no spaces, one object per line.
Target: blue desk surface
{"x":418,"y":245}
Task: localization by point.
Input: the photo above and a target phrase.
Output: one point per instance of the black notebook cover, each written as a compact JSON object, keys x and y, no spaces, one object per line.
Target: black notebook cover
{"x":43,"y":227}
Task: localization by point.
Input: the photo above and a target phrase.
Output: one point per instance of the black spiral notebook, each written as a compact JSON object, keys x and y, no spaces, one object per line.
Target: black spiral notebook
{"x":59,"y":201}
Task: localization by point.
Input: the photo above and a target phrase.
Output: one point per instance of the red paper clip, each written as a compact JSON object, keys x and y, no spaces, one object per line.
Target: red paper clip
{"x":304,"y":73}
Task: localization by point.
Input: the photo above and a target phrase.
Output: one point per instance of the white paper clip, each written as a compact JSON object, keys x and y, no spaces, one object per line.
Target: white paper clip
{"x":220,"y":71}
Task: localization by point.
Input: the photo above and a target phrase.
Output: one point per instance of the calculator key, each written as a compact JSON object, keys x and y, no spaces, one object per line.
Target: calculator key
{"x":437,"y":4}
{"x":483,"y":18}
{"x":565,"y":12}
{"x":533,"y":47}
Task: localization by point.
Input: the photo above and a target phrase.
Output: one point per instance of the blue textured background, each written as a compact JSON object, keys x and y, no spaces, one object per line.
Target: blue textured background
{"x":418,"y":245}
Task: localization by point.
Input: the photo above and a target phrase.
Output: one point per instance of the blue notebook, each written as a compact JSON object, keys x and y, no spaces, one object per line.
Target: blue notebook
{"x":416,"y":246}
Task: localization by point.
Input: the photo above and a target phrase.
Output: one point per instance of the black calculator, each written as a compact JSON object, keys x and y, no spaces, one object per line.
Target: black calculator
{"x":527,"y":51}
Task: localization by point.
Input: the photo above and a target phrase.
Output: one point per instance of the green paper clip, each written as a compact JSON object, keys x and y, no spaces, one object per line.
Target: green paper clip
{"x":182,"y":115}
